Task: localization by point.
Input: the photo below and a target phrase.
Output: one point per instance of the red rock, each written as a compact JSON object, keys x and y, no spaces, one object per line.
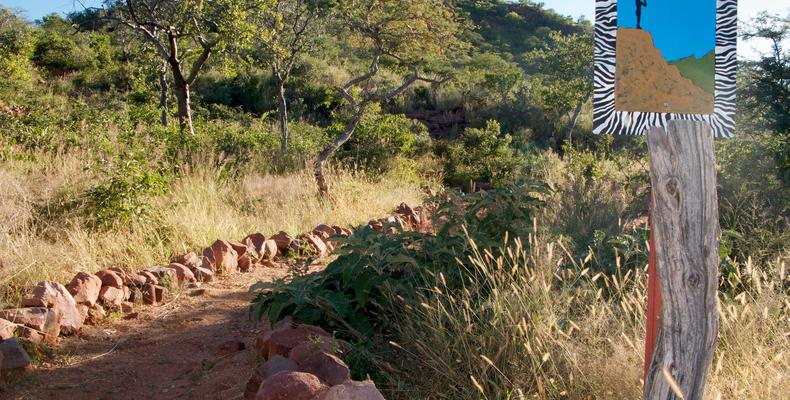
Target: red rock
{"x":136,"y":296}
{"x":85,"y":288}
{"x":203,"y":274}
{"x":291,"y":386}
{"x":376,"y":225}
{"x":283,"y":241}
{"x":189,"y":260}
{"x":263,"y":371}
{"x":316,"y":244}
{"x":7,"y":329}
{"x":183,"y":273}
{"x":161,"y":294}
{"x":241,"y":248}
{"x":324,"y":231}
{"x":224,"y":257}
{"x":270,"y":250}
{"x":409,"y":214}
{"x":135,"y":280}
{"x":327,"y":367}
{"x":255,"y":241}
{"x":298,"y":246}
{"x":166,"y":275}
{"x":280,"y":342}
{"x":262,"y":341}
{"x":149,"y":294}
{"x":305,"y":350}
{"x":352,"y":390}
{"x":111,"y":296}
{"x":33,"y":336}
{"x":127,"y":307}
{"x":55,"y":296}
{"x":245,"y":264}
{"x":110,"y":278}
{"x":39,"y":318}
{"x":345,"y":232}
{"x":127,"y":278}
{"x":149,"y":278}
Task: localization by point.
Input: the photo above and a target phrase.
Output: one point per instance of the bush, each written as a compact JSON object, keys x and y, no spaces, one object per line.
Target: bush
{"x":125,"y":194}
{"x":483,"y":156}
{"x":60,"y":53}
{"x":380,"y":139}
{"x":354,"y":293}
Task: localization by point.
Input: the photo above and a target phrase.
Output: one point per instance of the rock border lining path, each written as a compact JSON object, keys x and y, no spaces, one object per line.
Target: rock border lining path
{"x":311,"y":363}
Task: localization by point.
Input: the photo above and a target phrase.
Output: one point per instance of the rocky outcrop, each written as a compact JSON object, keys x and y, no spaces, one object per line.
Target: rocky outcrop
{"x":646,"y":82}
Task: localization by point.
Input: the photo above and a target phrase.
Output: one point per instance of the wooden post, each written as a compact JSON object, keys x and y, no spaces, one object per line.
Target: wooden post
{"x":686,"y":233}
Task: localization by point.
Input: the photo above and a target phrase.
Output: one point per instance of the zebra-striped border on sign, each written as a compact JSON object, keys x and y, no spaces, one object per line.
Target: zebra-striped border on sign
{"x":607,"y":120}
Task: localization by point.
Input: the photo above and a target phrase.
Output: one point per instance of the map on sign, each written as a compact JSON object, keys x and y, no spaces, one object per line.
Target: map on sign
{"x":662,"y":60}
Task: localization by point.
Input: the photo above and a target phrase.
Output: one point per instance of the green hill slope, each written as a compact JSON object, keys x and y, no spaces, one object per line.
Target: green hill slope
{"x":699,"y":70}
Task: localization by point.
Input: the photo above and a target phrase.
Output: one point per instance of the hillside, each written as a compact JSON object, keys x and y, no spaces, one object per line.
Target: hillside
{"x":646,"y":82}
{"x":513,"y":28}
{"x":699,"y":70}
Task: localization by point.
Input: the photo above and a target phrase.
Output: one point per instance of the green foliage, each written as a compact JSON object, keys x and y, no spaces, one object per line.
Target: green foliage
{"x":483,"y":156}
{"x":765,"y":92}
{"x":125,"y":194}
{"x":380,"y":140}
{"x":60,"y":53}
{"x":353,"y":293}
{"x":756,"y":210}
{"x":16,"y":43}
{"x":562,"y":73}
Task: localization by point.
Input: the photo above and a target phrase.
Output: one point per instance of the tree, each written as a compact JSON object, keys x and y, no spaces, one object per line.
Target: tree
{"x":185,"y":33}
{"x":16,"y":44}
{"x":296,"y":27}
{"x":404,"y":35}
{"x":766,"y":92}
{"x":563,"y":70}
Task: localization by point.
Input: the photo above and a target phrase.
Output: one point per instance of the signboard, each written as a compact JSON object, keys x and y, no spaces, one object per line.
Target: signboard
{"x":662,"y":60}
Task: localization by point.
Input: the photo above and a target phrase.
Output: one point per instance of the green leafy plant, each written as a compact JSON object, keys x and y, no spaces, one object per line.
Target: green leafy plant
{"x":126,"y":193}
{"x":353,"y":294}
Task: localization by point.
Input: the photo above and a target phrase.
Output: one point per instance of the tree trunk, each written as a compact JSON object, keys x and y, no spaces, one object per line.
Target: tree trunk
{"x":184,"y":110}
{"x":686,"y":238}
{"x":323,"y":187}
{"x":163,"y":93}
{"x":282,"y":108}
{"x":572,"y":123}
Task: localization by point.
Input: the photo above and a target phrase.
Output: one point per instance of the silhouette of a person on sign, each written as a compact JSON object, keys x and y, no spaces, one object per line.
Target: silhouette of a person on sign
{"x":639,"y":5}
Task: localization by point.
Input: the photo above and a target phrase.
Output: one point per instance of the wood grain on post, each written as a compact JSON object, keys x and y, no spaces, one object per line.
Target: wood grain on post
{"x":686,"y":234}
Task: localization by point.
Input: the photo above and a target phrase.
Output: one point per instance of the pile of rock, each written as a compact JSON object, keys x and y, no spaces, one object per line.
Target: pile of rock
{"x":53,"y":309}
{"x":301,"y":363}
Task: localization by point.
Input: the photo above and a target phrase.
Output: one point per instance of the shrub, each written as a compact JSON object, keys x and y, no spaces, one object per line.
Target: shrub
{"x":354,"y":294}
{"x":125,"y":194}
{"x":60,"y":54}
{"x":380,"y":139}
{"x":483,"y":156}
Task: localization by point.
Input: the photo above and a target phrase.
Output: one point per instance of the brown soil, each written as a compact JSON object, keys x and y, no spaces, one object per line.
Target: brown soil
{"x":172,"y":351}
{"x":646,"y":82}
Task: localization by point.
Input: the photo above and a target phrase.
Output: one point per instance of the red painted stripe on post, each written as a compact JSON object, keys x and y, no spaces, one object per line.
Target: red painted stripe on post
{"x":653,"y":296}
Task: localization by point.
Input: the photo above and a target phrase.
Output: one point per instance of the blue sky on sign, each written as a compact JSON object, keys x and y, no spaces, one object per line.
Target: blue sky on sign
{"x":680,"y":28}
{"x":35,"y":9}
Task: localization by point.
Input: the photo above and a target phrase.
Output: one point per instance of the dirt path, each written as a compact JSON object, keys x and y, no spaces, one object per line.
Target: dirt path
{"x":173,"y":351}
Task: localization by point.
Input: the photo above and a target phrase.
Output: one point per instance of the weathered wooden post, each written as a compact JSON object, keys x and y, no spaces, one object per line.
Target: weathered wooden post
{"x":674,"y":80}
{"x":686,"y":235}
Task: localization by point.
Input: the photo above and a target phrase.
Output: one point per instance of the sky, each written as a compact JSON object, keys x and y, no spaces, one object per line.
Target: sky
{"x":35,"y":9}
{"x":680,"y":28}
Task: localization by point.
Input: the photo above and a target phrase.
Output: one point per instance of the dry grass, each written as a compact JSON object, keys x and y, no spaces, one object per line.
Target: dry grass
{"x":40,"y":239}
{"x":548,"y":333}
